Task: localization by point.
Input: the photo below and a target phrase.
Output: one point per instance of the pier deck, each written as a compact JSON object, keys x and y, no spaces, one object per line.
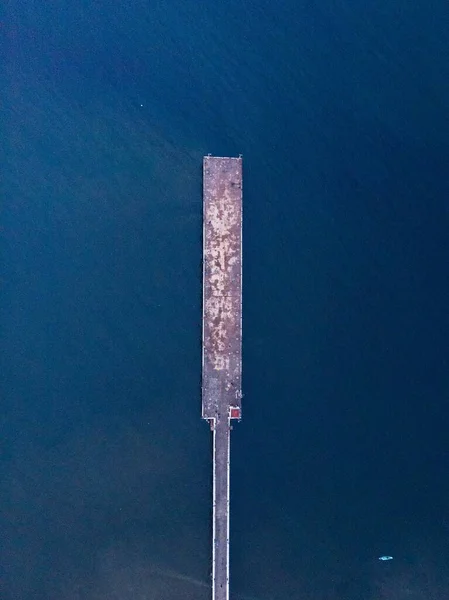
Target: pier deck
{"x":222,"y":338}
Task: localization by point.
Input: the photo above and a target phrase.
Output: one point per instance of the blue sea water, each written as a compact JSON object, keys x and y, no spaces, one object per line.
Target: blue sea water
{"x":340,"y":111}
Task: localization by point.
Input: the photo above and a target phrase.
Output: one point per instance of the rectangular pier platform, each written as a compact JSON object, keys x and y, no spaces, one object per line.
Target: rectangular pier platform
{"x":222,"y":339}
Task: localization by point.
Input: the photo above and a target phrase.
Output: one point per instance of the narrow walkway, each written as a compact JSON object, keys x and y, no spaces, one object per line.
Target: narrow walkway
{"x":221,"y":472}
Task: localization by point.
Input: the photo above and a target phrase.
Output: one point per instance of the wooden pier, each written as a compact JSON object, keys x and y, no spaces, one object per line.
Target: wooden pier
{"x":222,"y":339}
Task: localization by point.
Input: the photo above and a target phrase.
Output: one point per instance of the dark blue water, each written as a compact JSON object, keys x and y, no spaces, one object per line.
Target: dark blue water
{"x":340,"y":111}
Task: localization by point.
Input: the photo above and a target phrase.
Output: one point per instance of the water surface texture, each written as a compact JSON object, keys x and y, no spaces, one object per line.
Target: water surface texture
{"x":340,"y":109}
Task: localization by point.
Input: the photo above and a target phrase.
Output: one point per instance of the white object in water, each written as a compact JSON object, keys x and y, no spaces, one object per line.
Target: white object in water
{"x":385,"y":558}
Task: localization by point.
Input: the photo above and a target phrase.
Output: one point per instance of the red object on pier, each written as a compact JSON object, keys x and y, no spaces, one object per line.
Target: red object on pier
{"x":235,"y":412}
